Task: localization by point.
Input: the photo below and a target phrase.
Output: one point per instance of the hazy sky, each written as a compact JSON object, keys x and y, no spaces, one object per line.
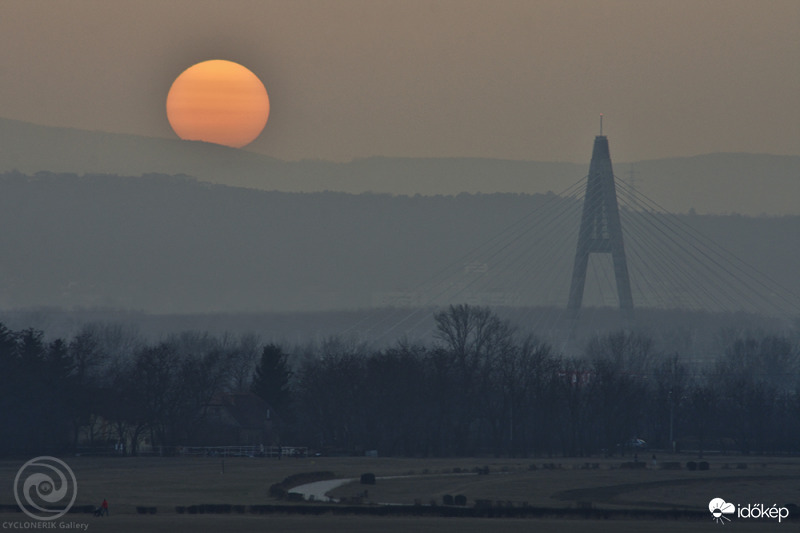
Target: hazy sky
{"x":347,"y":78}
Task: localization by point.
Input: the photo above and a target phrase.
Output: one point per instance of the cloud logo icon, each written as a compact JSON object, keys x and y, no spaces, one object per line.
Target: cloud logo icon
{"x":719,"y":508}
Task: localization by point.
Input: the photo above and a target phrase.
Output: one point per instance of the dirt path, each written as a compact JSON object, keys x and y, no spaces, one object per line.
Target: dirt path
{"x":318,"y":490}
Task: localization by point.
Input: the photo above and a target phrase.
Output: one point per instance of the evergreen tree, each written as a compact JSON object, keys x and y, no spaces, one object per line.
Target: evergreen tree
{"x":271,"y":378}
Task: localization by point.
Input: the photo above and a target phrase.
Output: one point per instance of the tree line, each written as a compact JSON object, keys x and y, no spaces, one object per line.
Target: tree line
{"x":56,"y":395}
{"x":479,"y":387}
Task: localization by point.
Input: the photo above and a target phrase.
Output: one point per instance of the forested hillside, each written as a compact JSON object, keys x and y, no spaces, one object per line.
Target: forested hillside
{"x":172,"y":244}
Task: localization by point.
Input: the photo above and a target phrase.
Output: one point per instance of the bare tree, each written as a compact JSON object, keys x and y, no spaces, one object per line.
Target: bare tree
{"x":473,"y":339}
{"x":245,"y":354}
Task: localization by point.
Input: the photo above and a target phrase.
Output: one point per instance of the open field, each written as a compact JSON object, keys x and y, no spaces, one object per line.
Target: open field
{"x":605,"y":487}
{"x":169,"y":482}
{"x":371,"y":524}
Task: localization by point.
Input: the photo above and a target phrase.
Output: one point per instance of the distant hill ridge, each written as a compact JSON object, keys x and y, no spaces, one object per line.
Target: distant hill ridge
{"x":167,"y":244}
{"x":751,"y":184}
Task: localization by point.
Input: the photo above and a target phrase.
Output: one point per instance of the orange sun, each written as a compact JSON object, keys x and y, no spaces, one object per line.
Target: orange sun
{"x":218,"y":102}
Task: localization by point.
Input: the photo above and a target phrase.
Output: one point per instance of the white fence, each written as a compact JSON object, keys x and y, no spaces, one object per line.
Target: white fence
{"x":244,"y":451}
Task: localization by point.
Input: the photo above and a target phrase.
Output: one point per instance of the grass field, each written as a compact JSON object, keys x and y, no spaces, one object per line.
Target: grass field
{"x":169,"y":482}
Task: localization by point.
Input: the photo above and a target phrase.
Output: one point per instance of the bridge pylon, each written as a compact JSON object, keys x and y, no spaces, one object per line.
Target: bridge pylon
{"x":601,"y":232}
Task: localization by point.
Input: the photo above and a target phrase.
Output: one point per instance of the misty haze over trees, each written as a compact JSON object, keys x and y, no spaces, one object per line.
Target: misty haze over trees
{"x":480,"y":387}
{"x":174,"y":245}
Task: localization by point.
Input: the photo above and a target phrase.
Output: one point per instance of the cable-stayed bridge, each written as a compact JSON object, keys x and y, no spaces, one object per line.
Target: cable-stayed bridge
{"x":597,"y":245}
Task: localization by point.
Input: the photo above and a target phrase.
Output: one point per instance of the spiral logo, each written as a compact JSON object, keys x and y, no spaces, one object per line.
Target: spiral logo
{"x":45,"y":488}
